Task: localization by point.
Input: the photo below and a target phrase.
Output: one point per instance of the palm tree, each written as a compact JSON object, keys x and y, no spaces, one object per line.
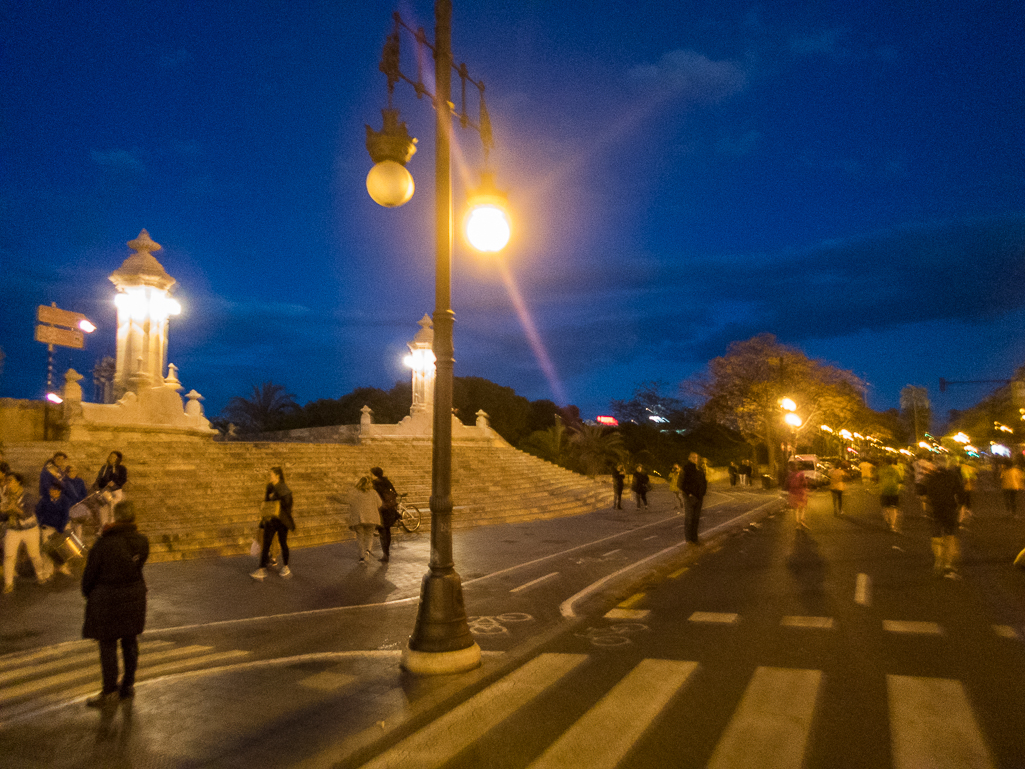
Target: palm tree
{"x":916,"y":401}
{"x":547,"y":444}
{"x":269,"y":403}
{"x":597,"y":448}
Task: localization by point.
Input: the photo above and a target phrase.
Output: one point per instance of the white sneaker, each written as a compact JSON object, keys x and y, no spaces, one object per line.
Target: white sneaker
{"x":259,"y":574}
{"x":285,"y":571}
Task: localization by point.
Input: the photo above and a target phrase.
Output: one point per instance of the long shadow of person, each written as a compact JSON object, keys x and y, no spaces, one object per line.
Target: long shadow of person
{"x":808,"y":569}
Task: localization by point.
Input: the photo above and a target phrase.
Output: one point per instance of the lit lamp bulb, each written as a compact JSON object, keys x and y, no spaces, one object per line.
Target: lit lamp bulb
{"x":487,"y":228}
{"x":390,"y":184}
{"x":792,"y":419}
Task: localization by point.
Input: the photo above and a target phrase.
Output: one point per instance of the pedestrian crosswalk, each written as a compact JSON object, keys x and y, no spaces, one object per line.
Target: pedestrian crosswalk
{"x":931,"y":720}
{"x":32,"y":681}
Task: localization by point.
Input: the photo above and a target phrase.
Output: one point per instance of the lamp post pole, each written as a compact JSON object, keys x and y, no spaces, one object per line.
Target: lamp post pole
{"x":441,"y":641}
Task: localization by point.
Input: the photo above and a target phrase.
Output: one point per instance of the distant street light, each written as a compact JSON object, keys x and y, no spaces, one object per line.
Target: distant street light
{"x":441,"y":641}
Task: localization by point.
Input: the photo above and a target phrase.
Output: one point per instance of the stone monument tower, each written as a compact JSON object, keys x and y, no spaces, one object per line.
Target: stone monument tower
{"x":422,"y":361}
{"x":143,"y":305}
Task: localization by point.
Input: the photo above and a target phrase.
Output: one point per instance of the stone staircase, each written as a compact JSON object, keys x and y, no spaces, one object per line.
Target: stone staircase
{"x":196,"y":498}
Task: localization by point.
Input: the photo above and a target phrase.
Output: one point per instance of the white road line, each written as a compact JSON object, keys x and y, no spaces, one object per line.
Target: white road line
{"x":931,"y":724}
{"x":769,"y":729}
{"x":714,"y":617}
{"x":863,"y":590}
{"x":653,"y":536}
{"x":825,"y":623}
{"x":605,"y":734}
{"x":1006,"y":631}
{"x":618,"y":549}
{"x":438,"y":742}
{"x":913,"y":628}
{"x":533,"y":582}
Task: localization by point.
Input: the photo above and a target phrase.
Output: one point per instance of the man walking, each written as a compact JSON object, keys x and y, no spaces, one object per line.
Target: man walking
{"x":945,"y":491}
{"x":693,"y":484}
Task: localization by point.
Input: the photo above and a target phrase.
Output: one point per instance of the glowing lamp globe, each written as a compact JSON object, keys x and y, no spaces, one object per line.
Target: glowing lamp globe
{"x":390,"y":184}
{"x":487,"y":228}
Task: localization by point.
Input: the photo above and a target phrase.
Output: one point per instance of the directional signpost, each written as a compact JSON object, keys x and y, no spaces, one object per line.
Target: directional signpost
{"x":64,"y":329}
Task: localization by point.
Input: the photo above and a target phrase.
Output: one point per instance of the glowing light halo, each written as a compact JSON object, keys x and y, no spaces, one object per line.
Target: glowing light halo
{"x":533,"y":337}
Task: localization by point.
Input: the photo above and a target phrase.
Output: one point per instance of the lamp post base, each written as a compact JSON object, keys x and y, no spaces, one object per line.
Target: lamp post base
{"x":441,"y":641}
{"x":440,"y":663}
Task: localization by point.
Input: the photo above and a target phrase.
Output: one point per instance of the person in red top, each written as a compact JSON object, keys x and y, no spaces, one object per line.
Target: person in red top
{"x":797,"y":489}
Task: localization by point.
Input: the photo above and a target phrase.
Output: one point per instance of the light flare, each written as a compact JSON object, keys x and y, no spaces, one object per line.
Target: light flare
{"x":533,"y":337}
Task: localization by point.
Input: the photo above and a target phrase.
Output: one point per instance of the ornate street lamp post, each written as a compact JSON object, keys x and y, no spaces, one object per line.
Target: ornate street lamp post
{"x":441,"y":641}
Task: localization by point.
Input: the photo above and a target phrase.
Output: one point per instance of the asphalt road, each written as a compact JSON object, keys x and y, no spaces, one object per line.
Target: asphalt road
{"x":607,"y":641}
{"x":835,"y":647}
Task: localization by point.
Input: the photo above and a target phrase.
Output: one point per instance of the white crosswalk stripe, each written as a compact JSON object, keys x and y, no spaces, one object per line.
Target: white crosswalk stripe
{"x":35,"y":680}
{"x":607,"y":732}
{"x":441,"y":740}
{"x":932,"y":725}
{"x":770,"y":727}
{"x":931,"y":719}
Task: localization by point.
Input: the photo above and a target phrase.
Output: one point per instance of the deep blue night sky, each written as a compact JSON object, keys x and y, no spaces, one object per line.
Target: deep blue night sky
{"x":850,"y":178}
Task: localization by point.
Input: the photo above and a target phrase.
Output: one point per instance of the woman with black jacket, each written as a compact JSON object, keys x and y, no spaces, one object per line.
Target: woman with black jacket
{"x":115,"y":608}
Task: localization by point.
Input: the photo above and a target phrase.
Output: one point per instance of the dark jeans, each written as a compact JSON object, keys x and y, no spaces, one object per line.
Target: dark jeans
{"x":388,"y":518}
{"x":837,"y":500}
{"x":691,"y":517}
{"x":108,"y":663}
{"x":617,"y":501}
{"x":1011,"y":501}
{"x":272,"y":526}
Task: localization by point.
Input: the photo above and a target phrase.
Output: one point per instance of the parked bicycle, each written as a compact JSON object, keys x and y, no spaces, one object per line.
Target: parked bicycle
{"x":409,"y":514}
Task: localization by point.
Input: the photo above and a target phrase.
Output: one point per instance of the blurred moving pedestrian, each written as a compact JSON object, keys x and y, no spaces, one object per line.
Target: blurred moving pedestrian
{"x":53,"y":514}
{"x":889,"y":493}
{"x":364,"y":515}
{"x":922,"y":467}
{"x":110,"y":481}
{"x":837,"y":486}
{"x":674,"y":484}
{"x":734,"y":474}
{"x":115,"y":608}
{"x":277,"y":521}
{"x":618,"y":480}
{"x":389,"y":509}
{"x":694,"y":485}
{"x":867,"y":472}
{"x":1012,"y":481}
{"x":797,"y":494}
{"x":745,"y":473}
{"x":640,"y":486}
{"x":22,"y":529}
{"x":969,"y":477}
{"x":945,"y":491}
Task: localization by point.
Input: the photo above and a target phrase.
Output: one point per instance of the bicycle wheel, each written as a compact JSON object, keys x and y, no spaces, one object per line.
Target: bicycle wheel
{"x":410,"y":519}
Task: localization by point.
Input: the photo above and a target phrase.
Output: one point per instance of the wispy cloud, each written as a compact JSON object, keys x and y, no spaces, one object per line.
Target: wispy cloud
{"x":122,"y":161}
{"x":691,"y":76}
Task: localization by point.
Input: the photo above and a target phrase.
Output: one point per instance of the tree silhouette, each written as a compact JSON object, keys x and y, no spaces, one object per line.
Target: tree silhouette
{"x":268,"y":404}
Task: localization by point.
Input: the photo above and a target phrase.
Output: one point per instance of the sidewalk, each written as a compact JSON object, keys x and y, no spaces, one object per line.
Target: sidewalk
{"x":309,"y":710}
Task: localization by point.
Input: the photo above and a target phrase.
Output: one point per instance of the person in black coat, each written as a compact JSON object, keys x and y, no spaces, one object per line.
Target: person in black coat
{"x":693,"y":484}
{"x":389,"y":509}
{"x":640,"y":486}
{"x":618,"y":479}
{"x":115,"y":607}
